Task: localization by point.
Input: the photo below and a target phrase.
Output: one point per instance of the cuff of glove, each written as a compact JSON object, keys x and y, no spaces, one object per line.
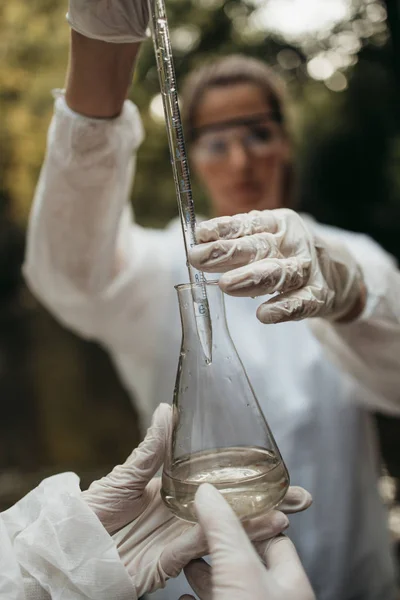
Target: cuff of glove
{"x":60,"y":543}
{"x":109,"y":38}
{"x":370,"y":303}
{"x":84,"y":138}
{"x":375,"y":278}
{"x":357,"y":308}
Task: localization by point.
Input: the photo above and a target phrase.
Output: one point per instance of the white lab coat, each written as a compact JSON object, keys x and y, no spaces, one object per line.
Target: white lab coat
{"x":111,"y":280}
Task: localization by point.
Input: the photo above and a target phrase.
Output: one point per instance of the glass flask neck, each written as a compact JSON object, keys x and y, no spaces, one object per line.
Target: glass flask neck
{"x":220,"y":332}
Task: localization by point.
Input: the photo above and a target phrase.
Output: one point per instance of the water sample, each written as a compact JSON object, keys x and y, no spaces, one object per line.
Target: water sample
{"x":252,"y":480}
{"x":220,"y":435}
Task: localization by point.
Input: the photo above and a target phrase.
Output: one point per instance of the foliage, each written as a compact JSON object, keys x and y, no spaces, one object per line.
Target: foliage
{"x":34,"y":51}
{"x":348,"y":148}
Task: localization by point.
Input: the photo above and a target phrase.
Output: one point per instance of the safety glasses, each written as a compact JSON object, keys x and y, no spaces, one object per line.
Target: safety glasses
{"x":258,"y":139}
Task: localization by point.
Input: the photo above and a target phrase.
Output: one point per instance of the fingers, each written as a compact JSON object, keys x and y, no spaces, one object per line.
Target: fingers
{"x":232,"y":553}
{"x":310,"y":301}
{"x":221,"y":526}
{"x":266,"y":526}
{"x":230,"y":547}
{"x":147,"y":458}
{"x":281,"y":558}
{"x":228,"y":243}
{"x":223,"y":255}
{"x":187,"y":546}
{"x":278,"y":551}
{"x":267,"y":277}
{"x":229,"y":228}
{"x":199,"y":575}
{"x":112,"y":498}
{"x":296,"y":500}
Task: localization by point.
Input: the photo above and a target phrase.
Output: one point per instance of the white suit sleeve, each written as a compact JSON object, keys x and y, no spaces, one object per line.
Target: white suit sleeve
{"x":368,"y":349}
{"x":53,"y":546}
{"x":87,"y":261}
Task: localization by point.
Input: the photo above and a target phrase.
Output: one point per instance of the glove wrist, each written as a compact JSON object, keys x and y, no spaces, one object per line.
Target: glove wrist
{"x":114,"y":22}
{"x":357,"y":308}
{"x":344,"y":280}
{"x":108,"y":38}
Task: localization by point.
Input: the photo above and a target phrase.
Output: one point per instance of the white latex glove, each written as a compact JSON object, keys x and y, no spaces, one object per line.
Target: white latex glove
{"x":116,"y":21}
{"x":237,"y":572}
{"x":273,"y":251}
{"x":152,"y":543}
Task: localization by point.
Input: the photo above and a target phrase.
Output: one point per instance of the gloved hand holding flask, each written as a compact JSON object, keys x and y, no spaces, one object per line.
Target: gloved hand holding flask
{"x":268,"y":570}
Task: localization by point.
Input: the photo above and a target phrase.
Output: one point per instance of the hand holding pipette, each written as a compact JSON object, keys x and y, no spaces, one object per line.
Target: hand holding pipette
{"x":180,"y":167}
{"x":126,"y":22}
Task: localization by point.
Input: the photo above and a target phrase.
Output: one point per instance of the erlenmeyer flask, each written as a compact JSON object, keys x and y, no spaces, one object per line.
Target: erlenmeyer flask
{"x":220,"y":435}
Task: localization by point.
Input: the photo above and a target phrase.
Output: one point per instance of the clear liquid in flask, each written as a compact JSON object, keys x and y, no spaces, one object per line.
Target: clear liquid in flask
{"x":219,"y":434}
{"x":252,"y":480}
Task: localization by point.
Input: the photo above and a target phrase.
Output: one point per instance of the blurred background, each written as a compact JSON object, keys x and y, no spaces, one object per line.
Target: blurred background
{"x":62,"y":406}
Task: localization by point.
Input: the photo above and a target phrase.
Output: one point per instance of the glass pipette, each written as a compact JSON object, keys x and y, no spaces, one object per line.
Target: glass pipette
{"x":180,"y":167}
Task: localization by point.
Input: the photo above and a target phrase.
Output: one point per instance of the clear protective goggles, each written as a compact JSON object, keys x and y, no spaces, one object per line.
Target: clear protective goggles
{"x":256,"y":135}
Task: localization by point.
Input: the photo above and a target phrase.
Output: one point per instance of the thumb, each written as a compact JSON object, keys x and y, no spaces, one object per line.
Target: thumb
{"x":281,"y":558}
{"x":277,"y":552}
{"x":148,"y":457}
{"x":112,"y":497}
{"x":221,"y":526}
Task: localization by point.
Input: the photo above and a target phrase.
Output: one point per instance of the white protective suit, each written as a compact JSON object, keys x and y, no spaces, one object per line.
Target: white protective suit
{"x":112,"y":281}
{"x":45,"y":542}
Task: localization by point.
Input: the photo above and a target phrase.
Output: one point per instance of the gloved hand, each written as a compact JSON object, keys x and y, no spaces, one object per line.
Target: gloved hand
{"x":152,"y":543}
{"x":116,"y":21}
{"x":273,"y":251}
{"x":237,"y":572}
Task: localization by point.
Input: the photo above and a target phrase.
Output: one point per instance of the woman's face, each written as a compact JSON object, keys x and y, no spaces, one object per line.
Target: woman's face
{"x":240,"y":152}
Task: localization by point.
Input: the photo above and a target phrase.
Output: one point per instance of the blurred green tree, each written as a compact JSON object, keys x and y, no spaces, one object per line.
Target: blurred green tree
{"x":344,"y":85}
{"x":356,"y":98}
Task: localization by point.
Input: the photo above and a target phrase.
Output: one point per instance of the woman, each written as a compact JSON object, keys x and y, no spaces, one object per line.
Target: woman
{"x":111,"y":280}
